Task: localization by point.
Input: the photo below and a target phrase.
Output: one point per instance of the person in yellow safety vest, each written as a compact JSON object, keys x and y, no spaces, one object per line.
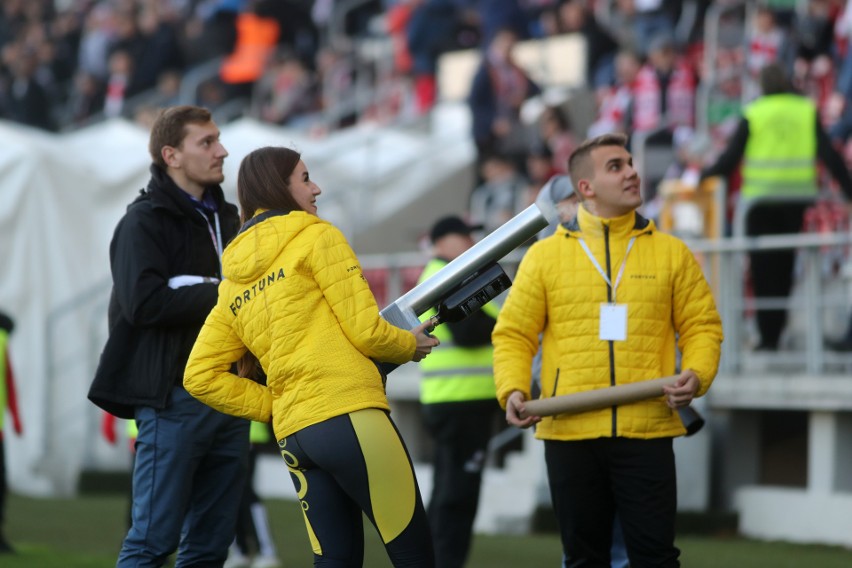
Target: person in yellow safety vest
{"x":459,"y":406}
{"x":253,"y":546}
{"x":778,"y":139}
{"x":8,"y":398}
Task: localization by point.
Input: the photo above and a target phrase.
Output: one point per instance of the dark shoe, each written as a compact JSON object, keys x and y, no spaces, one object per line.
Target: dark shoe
{"x":842,"y":345}
{"x":5,"y":547}
{"x":766,"y":347}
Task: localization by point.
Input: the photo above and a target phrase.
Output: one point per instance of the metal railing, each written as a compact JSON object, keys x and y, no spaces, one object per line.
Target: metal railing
{"x":195,"y":78}
{"x":724,"y":261}
{"x":716,"y":34}
{"x":735,"y":307}
{"x":653,"y":153}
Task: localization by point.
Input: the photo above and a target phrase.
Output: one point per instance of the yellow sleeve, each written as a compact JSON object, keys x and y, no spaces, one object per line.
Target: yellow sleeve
{"x":338,"y":274}
{"x":208,"y":375}
{"x":515,"y":336}
{"x":696,"y":320}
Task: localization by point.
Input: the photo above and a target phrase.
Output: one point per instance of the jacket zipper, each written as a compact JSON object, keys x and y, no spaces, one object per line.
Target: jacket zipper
{"x":555,"y":384}
{"x":610,"y":342}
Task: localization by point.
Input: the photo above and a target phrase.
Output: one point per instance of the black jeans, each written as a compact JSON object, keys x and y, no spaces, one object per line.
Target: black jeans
{"x":772,"y":271}
{"x":461,"y":431}
{"x":592,"y":479}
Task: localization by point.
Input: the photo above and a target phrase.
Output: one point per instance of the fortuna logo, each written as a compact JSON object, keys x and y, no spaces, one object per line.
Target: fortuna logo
{"x":257,"y":287}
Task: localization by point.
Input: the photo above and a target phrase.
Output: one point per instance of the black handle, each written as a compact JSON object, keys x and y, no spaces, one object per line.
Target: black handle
{"x":692,"y":420}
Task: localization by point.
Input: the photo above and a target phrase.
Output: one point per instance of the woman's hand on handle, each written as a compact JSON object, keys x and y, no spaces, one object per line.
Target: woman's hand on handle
{"x":425,"y":342}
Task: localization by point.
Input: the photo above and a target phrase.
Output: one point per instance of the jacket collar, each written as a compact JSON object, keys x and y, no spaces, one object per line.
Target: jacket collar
{"x":588,"y":225}
{"x":165,"y":193}
{"x":255,"y":250}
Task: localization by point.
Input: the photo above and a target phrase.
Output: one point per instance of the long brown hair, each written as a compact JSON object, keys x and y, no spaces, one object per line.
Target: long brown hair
{"x":249,"y":367}
{"x":263,"y":181}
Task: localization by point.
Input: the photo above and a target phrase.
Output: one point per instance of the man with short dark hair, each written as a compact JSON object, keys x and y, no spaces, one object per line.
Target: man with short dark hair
{"x":165,"y":261}
{"x":614,"y":299}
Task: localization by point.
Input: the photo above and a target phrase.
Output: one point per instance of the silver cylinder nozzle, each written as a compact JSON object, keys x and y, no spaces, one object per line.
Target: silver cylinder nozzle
{"x":513,"y":233}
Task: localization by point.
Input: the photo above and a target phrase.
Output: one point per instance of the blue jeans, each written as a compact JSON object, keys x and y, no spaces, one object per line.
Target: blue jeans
{"x":618,"y":552}
{"x":188,"y":477}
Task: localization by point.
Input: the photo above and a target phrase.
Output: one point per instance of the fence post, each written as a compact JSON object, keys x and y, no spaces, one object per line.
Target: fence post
{"x":813,"y":311}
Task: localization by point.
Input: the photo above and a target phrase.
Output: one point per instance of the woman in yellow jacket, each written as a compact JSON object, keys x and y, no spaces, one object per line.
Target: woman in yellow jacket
{"x":294,"y":300}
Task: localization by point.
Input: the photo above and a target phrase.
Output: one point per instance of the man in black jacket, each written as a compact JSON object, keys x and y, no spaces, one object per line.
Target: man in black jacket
{"x":165,"y":260}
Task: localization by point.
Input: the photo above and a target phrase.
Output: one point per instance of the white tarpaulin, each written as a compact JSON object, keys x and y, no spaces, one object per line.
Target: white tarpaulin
{"x":61,"y":198}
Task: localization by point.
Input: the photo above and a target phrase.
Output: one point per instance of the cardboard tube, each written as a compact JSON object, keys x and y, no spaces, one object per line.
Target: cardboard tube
{"x":598,"y":398}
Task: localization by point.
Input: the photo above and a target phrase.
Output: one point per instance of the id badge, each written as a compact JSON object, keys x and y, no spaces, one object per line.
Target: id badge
{"x":613,"y":322}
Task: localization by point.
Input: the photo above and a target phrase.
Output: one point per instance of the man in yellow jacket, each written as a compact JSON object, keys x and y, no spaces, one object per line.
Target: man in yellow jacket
{"x":614,"y":299}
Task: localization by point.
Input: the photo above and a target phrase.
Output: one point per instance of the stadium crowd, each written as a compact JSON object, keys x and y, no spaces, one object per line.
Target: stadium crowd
{"x":66,"y":63}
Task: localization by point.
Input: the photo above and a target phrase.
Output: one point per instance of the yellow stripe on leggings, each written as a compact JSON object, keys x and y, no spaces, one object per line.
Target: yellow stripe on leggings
{"x":391,"y":479}
{"x":300,"y":483}
{"x":312,"y":536}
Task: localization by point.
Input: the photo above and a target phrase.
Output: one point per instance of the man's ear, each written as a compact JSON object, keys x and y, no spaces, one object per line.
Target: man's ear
{"x":169,"y":154}
{"x":585,"y":188}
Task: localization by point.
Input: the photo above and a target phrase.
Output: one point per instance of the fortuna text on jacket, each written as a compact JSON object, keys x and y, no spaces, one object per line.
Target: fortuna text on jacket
{"x":258,"y":286}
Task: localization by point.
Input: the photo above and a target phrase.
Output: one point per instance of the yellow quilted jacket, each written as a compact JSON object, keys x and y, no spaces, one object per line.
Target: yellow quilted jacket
{"x":295,"y":296}
{"x":558,"y":292}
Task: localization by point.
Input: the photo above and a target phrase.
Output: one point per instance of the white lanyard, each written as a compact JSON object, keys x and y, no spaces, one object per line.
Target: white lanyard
{"x":218,"y":242}
{"x":216,"y":237}
{"x":601,"y":270}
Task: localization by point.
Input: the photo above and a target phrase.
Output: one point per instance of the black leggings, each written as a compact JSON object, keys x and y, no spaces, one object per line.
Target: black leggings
{"x":351,"y":464}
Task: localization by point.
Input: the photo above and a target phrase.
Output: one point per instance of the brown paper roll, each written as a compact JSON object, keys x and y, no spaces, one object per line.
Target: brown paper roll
{"x":598,"y":398}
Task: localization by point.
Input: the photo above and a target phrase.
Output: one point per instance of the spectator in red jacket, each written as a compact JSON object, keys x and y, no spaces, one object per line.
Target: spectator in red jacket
{"x":7,"y":398}
{"x":664,"y":89}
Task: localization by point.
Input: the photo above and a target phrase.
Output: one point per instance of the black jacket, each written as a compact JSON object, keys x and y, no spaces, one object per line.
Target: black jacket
{"x":152,"y":327}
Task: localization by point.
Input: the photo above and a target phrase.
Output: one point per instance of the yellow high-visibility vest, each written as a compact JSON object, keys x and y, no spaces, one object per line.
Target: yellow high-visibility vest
{"x":780,"y":155}
{"x":259,"y":433}
{"x":132,"y":430}
{"x":452,"y":373}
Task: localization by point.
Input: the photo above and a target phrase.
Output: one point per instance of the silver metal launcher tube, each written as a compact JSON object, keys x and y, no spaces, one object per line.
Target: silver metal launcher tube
{"x":513,"y":233}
